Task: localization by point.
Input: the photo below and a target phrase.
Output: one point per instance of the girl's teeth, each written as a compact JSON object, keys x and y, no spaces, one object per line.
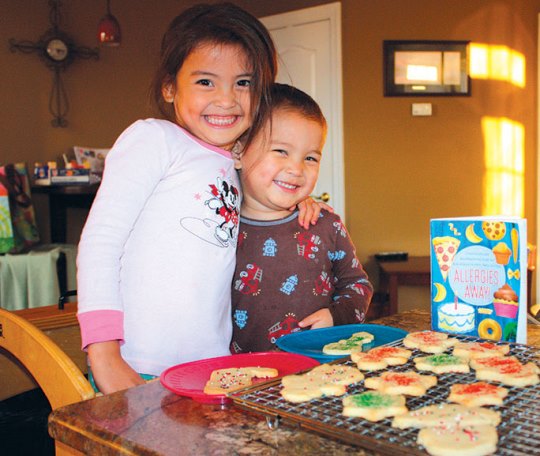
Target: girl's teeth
{"x":220,"y":121}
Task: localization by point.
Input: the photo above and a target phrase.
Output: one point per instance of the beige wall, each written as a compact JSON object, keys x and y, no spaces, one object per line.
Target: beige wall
{"x":400,"y":170}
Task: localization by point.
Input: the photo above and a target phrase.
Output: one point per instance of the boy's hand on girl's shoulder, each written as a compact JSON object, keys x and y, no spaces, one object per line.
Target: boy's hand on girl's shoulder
{"x":320,"y":319}
{"x":309,"y":210}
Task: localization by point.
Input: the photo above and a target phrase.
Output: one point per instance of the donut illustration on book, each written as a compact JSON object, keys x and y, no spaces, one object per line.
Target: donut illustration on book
{"x":445,"y":248}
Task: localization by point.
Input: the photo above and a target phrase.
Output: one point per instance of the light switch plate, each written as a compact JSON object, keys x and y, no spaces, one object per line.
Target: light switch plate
{"x":421,"y":109}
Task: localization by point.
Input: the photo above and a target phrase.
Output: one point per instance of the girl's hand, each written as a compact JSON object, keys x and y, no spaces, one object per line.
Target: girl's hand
{"x":320,"y":319}
{"x":111,"y":373}
{"x":309,"y":211}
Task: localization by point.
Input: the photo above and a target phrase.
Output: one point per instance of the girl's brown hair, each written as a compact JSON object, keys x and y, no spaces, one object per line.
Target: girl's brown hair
{"x":218,"y":24}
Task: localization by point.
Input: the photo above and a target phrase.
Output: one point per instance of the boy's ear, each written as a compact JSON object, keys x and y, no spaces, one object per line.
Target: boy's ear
{"x":236,"y":152}
{"x":167,"y":91}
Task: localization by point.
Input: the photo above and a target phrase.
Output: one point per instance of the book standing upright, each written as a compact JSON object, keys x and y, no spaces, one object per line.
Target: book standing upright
{"x":479,"y":277}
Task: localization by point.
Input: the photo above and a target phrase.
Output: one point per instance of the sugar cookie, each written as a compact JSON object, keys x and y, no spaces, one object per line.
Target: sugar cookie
{"x":323,"y":380}
{"x":478,"y":440}
{"x":429,"y":341}
{"x":442,"y":363}
{"x":472,"y":350}
{"x":447,"y":415}
{"x":506,"y":370}
{"x":380,"y":358}
{"x":373,"y":405}
{"x":224,"y":381}
{"x":347,"y":346}
{"x":477,"y":394}
{"x":408,"y":383}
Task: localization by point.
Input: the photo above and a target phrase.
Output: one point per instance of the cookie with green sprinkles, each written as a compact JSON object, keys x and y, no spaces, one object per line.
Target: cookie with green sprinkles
{"x":442,"y":363}
{"x":347,"y":346}
{"x":373,"y":405}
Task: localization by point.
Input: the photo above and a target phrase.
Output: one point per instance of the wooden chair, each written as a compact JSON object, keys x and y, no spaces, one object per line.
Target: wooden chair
{"x":58,"y":376}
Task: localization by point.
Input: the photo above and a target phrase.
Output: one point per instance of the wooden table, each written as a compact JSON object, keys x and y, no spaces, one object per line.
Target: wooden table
{"x":62,"y":197}
{"x":150,"y":420}
{"x":415,"y":271}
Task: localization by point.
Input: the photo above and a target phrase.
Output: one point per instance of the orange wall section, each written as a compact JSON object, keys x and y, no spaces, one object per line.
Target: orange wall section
{"x":400,"y":170}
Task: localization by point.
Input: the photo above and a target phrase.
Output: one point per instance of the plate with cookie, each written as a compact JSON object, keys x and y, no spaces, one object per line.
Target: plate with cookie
{"x":329,"y":344}
{"x":210,"y":380}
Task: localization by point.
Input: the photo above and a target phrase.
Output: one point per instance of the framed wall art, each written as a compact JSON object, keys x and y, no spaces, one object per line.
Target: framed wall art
{"x":426,"y":68}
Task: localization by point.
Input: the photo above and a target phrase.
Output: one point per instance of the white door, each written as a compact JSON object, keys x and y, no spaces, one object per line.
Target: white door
{"x":308,"y":42}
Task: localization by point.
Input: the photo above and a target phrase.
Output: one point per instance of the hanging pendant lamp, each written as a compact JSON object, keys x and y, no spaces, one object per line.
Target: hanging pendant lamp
{"x":109,"y":33}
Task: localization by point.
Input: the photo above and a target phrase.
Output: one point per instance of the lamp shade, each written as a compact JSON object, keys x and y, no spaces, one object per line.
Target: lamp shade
{"x":109,"y":33}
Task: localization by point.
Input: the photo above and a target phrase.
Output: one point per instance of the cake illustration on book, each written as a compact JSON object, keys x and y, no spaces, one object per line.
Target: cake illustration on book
{"x":456,"y":317}
{"x":479,"y":277}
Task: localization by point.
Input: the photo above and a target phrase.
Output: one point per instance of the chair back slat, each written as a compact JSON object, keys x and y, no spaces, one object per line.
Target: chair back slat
{"x":58,"y":376}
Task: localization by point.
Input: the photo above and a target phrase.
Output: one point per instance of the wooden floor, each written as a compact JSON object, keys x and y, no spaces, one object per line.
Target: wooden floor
{"x":23,"y":425}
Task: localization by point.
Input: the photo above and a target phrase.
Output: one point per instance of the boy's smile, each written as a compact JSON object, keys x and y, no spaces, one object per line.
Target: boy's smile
{"x":211,"y":94}
{"x":281,"y":166}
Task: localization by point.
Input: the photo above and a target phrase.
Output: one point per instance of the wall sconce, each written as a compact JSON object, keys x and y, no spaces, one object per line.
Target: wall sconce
{"x":109,"y":33}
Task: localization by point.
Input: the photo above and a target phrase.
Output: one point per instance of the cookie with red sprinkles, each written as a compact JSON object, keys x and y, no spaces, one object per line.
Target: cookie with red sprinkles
{"x":473,"y":350}
{"x":507,"y":370}
{"x":409,"y":383}
{"x":429,"y":341}
{"x":477,"y":394}
{"x":380,"y":358}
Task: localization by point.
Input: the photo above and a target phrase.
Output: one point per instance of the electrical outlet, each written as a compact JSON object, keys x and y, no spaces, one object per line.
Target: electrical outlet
{"x":421,"y":109}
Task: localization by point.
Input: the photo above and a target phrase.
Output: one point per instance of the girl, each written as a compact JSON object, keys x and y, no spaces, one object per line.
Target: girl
{"x":157,"y":253}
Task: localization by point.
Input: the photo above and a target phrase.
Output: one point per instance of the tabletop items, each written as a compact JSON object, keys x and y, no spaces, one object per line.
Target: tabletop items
{"x":86,"y":168}
{"x":517,"y":405}
{"x":151,"y":419}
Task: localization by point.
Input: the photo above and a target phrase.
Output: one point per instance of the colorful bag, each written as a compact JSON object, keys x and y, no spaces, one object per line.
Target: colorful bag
{"x":6,"y":229}
{"x":24,"y":234}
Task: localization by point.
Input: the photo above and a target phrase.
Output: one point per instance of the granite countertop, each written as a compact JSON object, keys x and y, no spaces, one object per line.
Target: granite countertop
{"x":150,"y":420}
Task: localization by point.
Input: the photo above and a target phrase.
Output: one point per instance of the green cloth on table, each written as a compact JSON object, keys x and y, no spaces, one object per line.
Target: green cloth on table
{"x":30,"y":279}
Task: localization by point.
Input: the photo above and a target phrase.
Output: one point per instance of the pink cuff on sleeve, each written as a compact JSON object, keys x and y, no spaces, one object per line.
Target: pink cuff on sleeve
{"x":101,"y":326}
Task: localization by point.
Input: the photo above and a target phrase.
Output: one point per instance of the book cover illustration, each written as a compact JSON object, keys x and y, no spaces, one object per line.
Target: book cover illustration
{"x":479,"y":277}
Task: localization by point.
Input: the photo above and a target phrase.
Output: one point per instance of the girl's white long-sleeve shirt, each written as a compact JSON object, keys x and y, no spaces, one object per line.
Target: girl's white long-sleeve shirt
{"x":157,"y":253}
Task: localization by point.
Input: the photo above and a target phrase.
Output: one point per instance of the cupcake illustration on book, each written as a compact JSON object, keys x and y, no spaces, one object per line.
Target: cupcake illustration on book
{"x":502,"y":253}
{"x":505,"y":302}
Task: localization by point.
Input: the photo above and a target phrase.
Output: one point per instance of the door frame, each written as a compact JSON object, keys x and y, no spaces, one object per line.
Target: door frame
{"x":535,"y":299}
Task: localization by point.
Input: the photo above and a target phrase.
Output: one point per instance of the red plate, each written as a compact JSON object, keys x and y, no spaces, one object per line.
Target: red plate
{"x":189,"y":379}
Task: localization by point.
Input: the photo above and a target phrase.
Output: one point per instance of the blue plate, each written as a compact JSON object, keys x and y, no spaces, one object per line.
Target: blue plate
{"x":310,"y":342}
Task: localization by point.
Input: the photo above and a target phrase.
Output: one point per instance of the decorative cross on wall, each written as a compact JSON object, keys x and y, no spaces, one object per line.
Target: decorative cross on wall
{"x":58,"y":51}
